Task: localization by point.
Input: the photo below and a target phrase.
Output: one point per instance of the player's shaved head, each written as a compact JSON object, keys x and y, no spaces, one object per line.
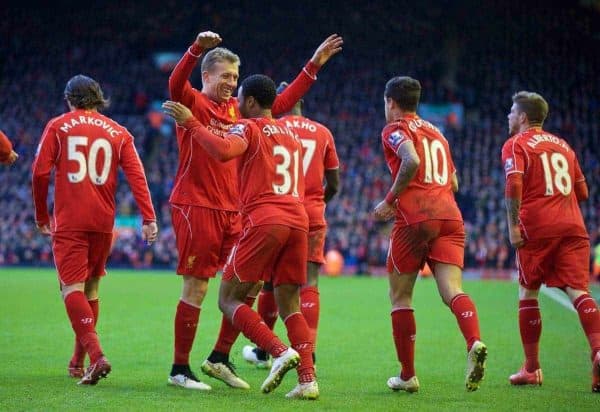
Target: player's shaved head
{"x":83,"y":92}
{"x":218,"y":54}
{"x":533,"y":105}
{"x":261,"y":88}
{"x":405,"y":91}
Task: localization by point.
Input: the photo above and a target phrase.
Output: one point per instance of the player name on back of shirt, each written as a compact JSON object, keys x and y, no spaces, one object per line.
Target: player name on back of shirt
{"x":271,"y":129}
{"x":539,"y":138}
{"x":301,"y":124}
{"x":90,"y":121}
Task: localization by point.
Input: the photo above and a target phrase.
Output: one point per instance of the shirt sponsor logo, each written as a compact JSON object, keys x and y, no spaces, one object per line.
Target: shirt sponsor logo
{"x":395,"y":138}
{"x":231,"y":112}
{"x":509,"y":164}
{"x":237,"y":129}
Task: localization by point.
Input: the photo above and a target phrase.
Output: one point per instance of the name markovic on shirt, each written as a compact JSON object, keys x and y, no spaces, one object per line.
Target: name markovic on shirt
{"x":90,"y":121}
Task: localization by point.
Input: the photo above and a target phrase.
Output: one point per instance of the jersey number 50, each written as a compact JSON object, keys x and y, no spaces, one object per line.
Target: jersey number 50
{"x":88,"y":166}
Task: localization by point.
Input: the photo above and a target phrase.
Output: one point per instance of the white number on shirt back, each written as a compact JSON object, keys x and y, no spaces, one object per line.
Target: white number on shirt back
{"x":290,"y":181}
{"x":309,"y":151}
{"x":434,"y":155}
{"x":88,"y":166}
{"x":561,"y":179}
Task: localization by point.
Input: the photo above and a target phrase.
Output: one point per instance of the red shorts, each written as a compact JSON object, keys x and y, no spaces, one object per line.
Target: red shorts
{"x":430,"y":241}
{"x":80,"y":255}
{"x":316,"y":244}
{"x":204,"y":238}
{"x":555,"y":262}
{"x":274,"y":253}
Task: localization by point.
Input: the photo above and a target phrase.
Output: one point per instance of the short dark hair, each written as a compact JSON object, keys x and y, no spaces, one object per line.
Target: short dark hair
{"x":85,"y":93}
{"x":262,"y":88}
{"x":405,"y":91}
{"x":533,"y":105}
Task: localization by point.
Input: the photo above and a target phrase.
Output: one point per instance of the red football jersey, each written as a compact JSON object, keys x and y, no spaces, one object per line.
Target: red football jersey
{"x":5,"y":147}
{"x":198,"y":174}
{"x":319,"y":154}
{"x":270,"y":177}
{"x":429,"y":194}
{"x":550,"y":170}
{"x":86,"y":148}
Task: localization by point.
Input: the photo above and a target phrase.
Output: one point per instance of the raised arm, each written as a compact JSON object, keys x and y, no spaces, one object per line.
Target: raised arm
{"x":222,"y":149}
{"x":43,"y":164}
{"x":307,"y":76}
{"x":180,"y":87}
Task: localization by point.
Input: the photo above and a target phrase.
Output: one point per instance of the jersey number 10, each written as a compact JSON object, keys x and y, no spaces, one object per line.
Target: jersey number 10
{"x":434,"y":154}
{"x":88,"y":166}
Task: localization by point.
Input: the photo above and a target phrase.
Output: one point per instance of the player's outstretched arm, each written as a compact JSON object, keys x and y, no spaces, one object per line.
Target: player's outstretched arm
{"x":408,"y":169}
{"x":302,"y":83}
{"x":180,"y":87}
{"x":222,"y":149}
{"x":331,"y":46}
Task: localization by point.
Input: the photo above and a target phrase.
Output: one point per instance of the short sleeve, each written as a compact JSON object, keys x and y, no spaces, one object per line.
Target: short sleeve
{"x":394,"y":138}
{"x":513,"y":158}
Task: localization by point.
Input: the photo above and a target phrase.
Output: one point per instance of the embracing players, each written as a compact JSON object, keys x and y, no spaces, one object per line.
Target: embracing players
{"x":204,"y":200}
{"x":274,"y":245}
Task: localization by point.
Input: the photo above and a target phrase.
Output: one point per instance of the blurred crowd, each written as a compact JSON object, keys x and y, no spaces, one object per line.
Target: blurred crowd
{"x":462,"y":52}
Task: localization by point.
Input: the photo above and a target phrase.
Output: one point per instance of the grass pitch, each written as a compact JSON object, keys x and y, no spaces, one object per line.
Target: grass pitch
{"x":355,"y":352}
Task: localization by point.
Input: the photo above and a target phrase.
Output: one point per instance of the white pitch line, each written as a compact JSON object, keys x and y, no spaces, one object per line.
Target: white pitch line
{"x":558,"y":297}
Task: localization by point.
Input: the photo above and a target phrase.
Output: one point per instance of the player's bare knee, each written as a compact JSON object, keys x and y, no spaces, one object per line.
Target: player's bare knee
{"x":288,"y":299}
{"x":528,"y":293}
{"x":91,"y":288}
{"x":574,"y":293}
{"x":312,"y":278}
{"x":194,"y":290}
{"x":65,"y":290}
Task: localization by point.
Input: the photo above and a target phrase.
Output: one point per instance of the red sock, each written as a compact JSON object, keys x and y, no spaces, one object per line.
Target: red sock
{"x":186,"y":322}
{"x":267,"y":308}
{"x":252,"y":326}
{"x":589,"y":316}
{"x":466,"y":315}
{"x":79,"y":352}
{"x":228,"y":333}
{"x":299,"y":336}
{"x":404,"y":331}
{"x":309,"y":305}
{"x":530,"y":326}
{"x":82,"y":320}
